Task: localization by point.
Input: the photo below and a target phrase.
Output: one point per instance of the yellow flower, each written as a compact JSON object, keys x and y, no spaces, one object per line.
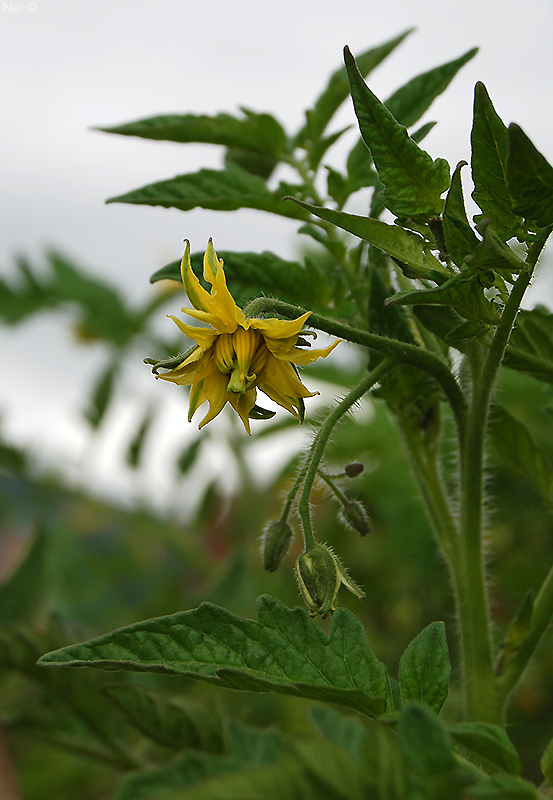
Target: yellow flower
{"x":236,"y":356}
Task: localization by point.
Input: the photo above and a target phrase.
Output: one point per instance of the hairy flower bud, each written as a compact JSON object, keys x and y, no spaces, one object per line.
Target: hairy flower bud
{"x":275,"y":543}
{"x":354,"y":515}
{"x":320,"y":575}
{"x":354,"y":469}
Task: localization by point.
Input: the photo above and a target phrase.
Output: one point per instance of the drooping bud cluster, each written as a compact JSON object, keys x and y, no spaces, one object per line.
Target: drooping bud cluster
{"x":275,"y":543}
{"x":320,"y":575}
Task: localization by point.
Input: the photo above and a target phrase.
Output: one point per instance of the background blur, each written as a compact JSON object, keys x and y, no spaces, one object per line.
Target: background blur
{"x":140,"y":514}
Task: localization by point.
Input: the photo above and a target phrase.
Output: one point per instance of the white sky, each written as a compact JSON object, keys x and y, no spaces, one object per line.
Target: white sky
{"x":67,"y":65}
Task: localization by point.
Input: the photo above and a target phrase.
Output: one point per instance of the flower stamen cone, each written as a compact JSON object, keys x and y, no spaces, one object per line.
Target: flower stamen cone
{"x":234,"y":356}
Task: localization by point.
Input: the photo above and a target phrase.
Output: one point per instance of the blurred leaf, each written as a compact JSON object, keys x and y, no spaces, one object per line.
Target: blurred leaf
{"x":168,"y":722}
{"x":134,"y":450}
{"x":188,"y":455}
{"x":489,"y":153}
{"x":264,"y":272}
{"x":546,"y":763}
{"x":22,"y":594}
{"x":529,"y":178}
{"x":344,"y":731}
{"x":461,"y":240}
{"x":424,"y":668}
{"x":101,"y":395}
{"x":284,"y":652}
{"x":221,"y":190}
{"x":425,"y":742}
{"x":337,"y":90}
{"x":504,"y":787}
{"x":530,"y":347}
{"x":26,"y":299}
{"x":403,"y":245}
{"x":517,"y":447}
{"x":489,"y":741}
{"x":317,"y":151}
{"x":408,"y":103}
{"x":258,"y":132}
{"x":413,"y":182}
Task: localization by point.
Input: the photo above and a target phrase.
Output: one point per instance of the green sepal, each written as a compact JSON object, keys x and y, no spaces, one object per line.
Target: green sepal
{"x":529,"y":178}
{"x":461,"y":241}
{"x":413,"y":182}
{"x":168,"y":363}
{"x":489,"y":154}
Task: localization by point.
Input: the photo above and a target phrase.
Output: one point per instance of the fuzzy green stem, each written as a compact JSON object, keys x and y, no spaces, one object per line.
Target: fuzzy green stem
{"x":481,"y":696}
{"x":321,"y":440}
{"x":336,"y":491}
{"x":401,"y":352}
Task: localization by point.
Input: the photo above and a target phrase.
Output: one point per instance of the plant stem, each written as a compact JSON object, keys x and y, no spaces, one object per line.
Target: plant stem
{"x":481,"y":697}
{"x":321,"y":440}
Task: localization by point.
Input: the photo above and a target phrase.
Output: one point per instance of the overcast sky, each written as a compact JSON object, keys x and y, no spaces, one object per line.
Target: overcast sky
{"x":68,"y":65}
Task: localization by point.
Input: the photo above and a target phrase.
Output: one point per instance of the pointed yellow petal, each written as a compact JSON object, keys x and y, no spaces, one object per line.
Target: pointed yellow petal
{"x":300,"y":356}
{"x":222,"y":302}
{"x":243,"y":404}
{"x":279,"y":328}
{"x":196,"y":293}
{"x":204,"y":337}
{"x":279,"y":382}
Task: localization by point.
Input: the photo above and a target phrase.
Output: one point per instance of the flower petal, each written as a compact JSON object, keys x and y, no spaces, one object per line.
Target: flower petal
{"x":196,"y":293}
{"x":279,"y":328}
{"x":300,"y":356}
{"x":279,"y":382}
{"x":204,"y":337}
{"x":243,"y":404}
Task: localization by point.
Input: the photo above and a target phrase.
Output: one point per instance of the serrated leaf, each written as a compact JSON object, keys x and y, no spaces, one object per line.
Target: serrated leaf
{"x":461,"y":241}
{"x":409,"y":102}
{"x":504,"y":787}
{"x":219,"y":190}
{"x":399,"y":243}
{"x":413,"y":182}
{"x":337,"y":89}
{"x":284,"y":652}
{"x":425,"y":742}
{"x":489,"y":154}
{"x":489,"y":741}
{"x":260,"y":272}
{"x":424,"y":668}
{"x":529,"y":178}
{"x":517,"y":447}
{"x":258,"y":132}
{"x":493,"y":254}
{"x":22,"y":594}
{"x":170,"y":723}
{"x":530,"y":348}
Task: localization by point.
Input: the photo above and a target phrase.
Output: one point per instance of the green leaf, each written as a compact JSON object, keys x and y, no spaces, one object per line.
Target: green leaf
{"x":460,"y":239}
{"x":489,"y":741}
{"x":255,"y":273}
{"x":284,"y":652}
{"x":101,"y":395}
{"x":344,"y":731}
{"x":400,"y":244}
{"x":529,"y":178}
{"x":22,"y":594}
{"x":425,"y":742}
{"x":492,"y":253}
{"x":258,"y":132}
{"x":219,"y":190}
{"x":360,"y":168}
{"x":337,"y":89}
{"x":441,"y":321}
{"x":413,"y":182}
{"x":135,"y":447}
{"x":517,"y":447}
{"x":424,"y":668}
{"x":172,"y":723}
{"x":409,"y":102}
{"x":546,"y":762}
{"x":504,"y":787}
{"x":530,"y":348}
{"x":489,"y":154}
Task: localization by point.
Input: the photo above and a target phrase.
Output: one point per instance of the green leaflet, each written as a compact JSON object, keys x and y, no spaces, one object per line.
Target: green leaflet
{"x":530,"y":347}
{"x":460,"y":239}
{"x":489,"y":741}
{"x":424,"y":668}
{"x":284,"y":652}
{"x":336,"y":90}
{"x":219,"y":190}
{"x":425,"y":743}
{"x":517,"y":447}
{"x":492,"y":253}
{"x":258,"y":132}
{"x":410,"y":101}
{"x":260,"y":272}
{"x":403,"y":245}
{"x":413,"y":182}
{"x":344,"y":731}
{"x":546,"y":762}
{"x":22,"y":594}
{"x":529,"y":178}
{"x":489,"y":153}
{"x":504,"y":787}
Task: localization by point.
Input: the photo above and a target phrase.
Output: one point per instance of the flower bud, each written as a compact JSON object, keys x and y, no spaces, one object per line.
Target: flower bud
{"x":354,"y":469}
{"x":354,"y":515}
{"x":275,"y":543}
{"x":320,"y":575}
